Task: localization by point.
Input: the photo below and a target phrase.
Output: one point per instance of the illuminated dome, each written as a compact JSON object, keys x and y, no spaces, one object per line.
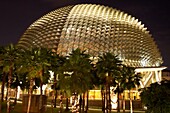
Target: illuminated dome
{"x":96,"y":29}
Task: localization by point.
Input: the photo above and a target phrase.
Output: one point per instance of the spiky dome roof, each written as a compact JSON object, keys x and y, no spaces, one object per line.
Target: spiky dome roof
{"x":97,"y":29}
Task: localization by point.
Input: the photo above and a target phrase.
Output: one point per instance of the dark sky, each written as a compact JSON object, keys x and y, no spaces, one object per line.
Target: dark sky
{"x":17,"y":15}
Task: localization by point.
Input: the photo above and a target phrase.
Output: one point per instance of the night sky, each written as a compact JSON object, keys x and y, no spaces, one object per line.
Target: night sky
{"x":17,"y":15}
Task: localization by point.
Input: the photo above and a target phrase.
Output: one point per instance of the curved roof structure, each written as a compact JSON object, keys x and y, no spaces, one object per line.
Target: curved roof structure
{"x":96,"y":29}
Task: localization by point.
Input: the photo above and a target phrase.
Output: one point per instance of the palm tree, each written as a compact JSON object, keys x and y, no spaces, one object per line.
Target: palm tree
{"x":2,"y":88}
{"x":107,"y":67}
{"x":28,"y":57}
{"x":34,"y":62}
{"x":43,"y":61}
{"x":8,"y":58}
{"x":56,"y":61}
{"x":131,"y":80}
{"x":14,"y":85}
{"x":121,"y":83}
{"x":3,"y":85}
{"x":118,"y":91}
{"x":75,"y":74}
{"x":100,"y":83}
{"x":44,"y":57}
{"x":95,"y":82}
{"x":3,"y":74}
{"x":120,"y":80}
{"x":23,"y":79}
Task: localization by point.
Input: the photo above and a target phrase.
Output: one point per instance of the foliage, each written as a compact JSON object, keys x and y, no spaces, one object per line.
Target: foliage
{"x":8,"y":57}
{"x":75,"y":74}
{"x":35,"y":63}
{"x":108,"y":64}
{"x":129,"y":79}
{"x":157,"y":97}
{"x":56,"y":61}
{"x":108,"y":67}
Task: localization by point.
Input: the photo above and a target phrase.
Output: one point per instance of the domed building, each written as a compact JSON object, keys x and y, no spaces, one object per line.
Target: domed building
{"x":97,"y":29}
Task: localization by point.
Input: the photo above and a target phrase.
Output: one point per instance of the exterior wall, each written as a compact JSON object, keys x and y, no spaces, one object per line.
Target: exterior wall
{"x":150,"y":75}
{"x":97,"y":29}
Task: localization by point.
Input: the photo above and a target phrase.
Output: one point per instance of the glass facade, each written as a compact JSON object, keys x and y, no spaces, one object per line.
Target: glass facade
{"x":96,"y":29}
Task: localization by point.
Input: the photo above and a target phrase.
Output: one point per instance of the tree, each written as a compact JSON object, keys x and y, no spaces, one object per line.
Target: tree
{"x":34,"y":62}
{"x":108,"y":67}
{"x":14,"y":85}
{"x":56,"y":61}
{"x":28,"y":59}
{"x":156,"y":97}
{"x":9,"y":56}
{"x":2,"y":78}
{"x":118,"y":90}
{"x":120,"y":79}
{"x":99,"y":82}
{"x":24,"y":81}
{"x":130,"y":80}
{"x":75,"y":74}
{"x":3,"y":74}
{"x":43,"y":57}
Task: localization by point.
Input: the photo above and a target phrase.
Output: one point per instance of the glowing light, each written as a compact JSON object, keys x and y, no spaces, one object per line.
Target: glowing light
{"x":97,"y":29}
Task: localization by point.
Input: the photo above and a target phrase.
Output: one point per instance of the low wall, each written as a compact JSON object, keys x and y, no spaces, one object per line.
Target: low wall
{"x":35,"y":103}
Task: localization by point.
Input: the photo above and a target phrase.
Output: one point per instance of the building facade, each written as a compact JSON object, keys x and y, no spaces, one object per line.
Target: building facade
{"x":98,"y":29}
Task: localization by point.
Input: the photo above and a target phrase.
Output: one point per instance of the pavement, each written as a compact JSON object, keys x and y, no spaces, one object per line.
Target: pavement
{"x":95,"y":109}
{"x":134,"y":111}
{"x":113,"y":110}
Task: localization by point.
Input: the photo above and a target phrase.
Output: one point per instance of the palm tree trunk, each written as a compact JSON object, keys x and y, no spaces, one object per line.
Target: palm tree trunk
{"x":124,"y":103}
{"x":55,"y":98}
{"x":2,"y":91}
{"x":30,"y":95}
{"x":2,"y":87}
{"x":6,"y":96}
{"x":106,"y":99}
{"x":41,"y":90}
{"x":73,"y":102}
{"x":80,"y":103}
{"x":55,"y":91}
{"x":109,"y":98}
{"x":9,"y":90}
{"x":83,"y":105}
{"x":0,"y":106}
{"x":131,"y":109}
{"x":16,"y":92}
{"x":52,"y":102}
{"x":61,"y":103}
{"x":118,"y":104}
{"x":87,"y":103}
{"x":103,"y":100}
{"x":67,"y":109}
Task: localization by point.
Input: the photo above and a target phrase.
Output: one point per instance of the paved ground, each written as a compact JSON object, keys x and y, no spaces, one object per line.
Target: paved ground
{"x":95,"y":109}
{"x":127,"y":111}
